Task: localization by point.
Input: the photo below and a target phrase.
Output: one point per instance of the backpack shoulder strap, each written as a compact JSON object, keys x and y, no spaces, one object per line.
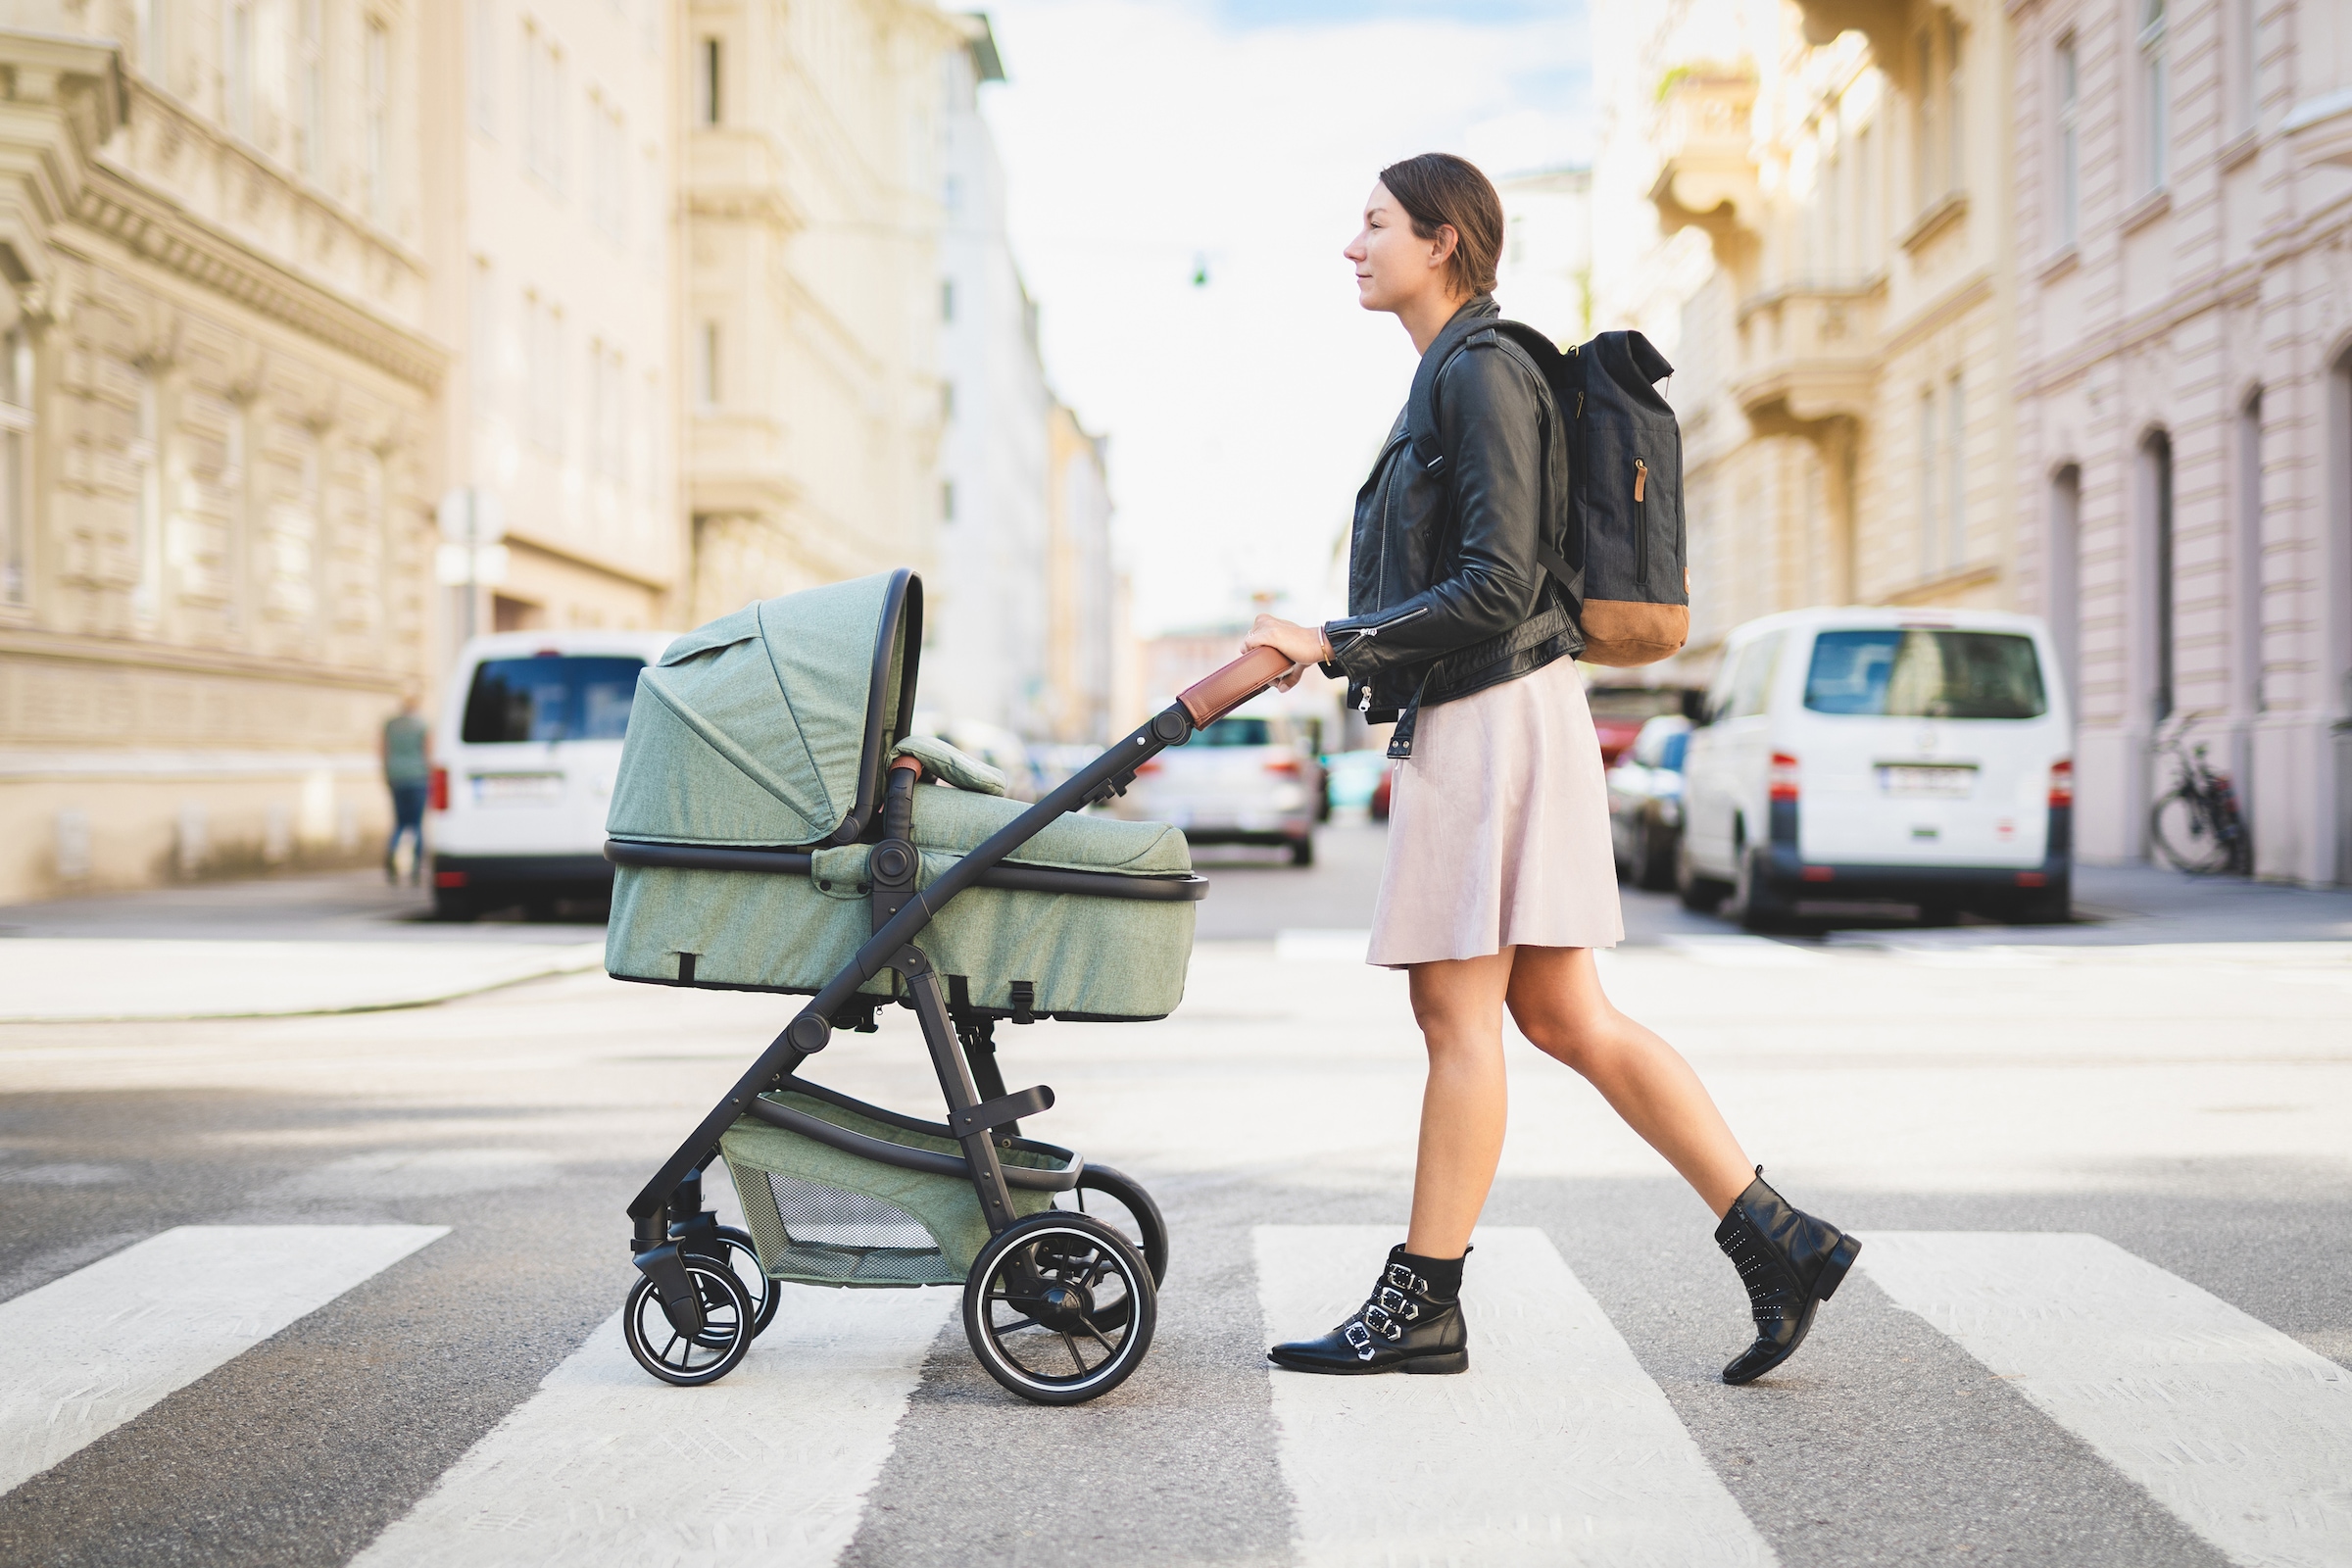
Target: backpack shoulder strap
{"x":1421,"y":406}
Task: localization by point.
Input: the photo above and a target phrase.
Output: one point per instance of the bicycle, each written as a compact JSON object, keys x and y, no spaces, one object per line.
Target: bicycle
{"x":2197,"y":826}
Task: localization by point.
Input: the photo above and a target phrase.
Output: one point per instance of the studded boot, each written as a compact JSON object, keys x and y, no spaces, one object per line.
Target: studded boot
{"x":1405,"y":1325}
{"x":1790,"y":1264}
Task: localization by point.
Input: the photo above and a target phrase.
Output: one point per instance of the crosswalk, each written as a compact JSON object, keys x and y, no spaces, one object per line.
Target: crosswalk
{"x":1556,"y":1448}
{"x":81,"y":1356}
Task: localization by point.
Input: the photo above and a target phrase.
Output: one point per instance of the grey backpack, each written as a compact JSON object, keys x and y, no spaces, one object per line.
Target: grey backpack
{"x":1615,"y":541}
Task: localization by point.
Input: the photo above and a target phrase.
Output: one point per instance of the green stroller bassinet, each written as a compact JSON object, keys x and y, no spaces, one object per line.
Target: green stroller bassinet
{"x":774,"y":827}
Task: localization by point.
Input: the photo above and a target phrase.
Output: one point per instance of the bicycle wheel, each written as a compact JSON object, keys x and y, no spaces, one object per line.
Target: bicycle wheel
{"x":2182,"y":828}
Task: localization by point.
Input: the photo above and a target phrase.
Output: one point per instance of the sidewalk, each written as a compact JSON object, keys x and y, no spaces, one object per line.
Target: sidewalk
{"x":327,"y":941}
{"x":2141,"y":905}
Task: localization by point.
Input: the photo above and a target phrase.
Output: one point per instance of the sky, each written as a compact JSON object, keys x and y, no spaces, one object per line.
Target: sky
{"x":1144,"y":140}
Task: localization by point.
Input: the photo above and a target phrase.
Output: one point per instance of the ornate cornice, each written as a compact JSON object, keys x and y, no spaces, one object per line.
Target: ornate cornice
{"x":166,"y":233}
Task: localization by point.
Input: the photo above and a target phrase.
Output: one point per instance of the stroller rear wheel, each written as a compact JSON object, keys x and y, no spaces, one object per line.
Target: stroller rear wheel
{"x":691,"y":1360}
{"x":1060,"y":1308}
{"x":1119,"y":1201}
{"x":742,"y":1259}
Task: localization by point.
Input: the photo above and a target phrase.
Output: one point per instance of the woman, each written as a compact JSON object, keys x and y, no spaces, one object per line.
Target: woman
{"x":1499,"y":880}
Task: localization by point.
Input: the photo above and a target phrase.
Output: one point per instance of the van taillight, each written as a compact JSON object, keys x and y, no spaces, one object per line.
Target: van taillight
{"x":1283,"y":764}
{"x":437,"y":791}
{"x":1783,"y":776}
{"x":2062,"y":782}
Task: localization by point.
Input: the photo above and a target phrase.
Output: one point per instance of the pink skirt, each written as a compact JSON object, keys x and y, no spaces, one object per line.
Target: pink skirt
{"x":1498,"y":829}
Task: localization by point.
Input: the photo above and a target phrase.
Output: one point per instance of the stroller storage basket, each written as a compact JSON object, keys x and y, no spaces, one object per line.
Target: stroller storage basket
{"x":825,"y":1215}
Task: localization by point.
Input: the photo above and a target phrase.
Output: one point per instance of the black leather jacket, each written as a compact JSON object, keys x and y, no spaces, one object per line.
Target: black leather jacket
{"x":1444,"y":594}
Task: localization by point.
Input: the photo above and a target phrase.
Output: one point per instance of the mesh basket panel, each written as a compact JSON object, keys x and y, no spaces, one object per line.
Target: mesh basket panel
{"x":822,"y":1234}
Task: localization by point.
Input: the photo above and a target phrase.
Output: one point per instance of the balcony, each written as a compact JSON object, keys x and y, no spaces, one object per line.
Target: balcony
{"x":1884,"y":23}
{"x":1808,"y":356}
{"x":1706,"y":168}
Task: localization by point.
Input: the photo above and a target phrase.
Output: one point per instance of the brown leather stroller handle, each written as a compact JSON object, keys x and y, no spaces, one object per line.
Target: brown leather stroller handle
{"x":1210,"y":700}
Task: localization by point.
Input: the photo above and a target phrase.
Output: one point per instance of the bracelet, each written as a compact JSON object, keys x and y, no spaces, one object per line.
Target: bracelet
{"x":1325,"y":638}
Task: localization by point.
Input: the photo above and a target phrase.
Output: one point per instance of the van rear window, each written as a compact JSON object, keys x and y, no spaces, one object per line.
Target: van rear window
{"x":550,"y":697}
{"x":1917,"y":672}
{"x":1237,"y":732}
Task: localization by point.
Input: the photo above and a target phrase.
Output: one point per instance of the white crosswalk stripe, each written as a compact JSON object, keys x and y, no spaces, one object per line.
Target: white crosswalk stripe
{"x":82,"y":1354}
{"x":1555,"y":1447}
{"x":768,"y":1466}
{"x":2242,"y":1433}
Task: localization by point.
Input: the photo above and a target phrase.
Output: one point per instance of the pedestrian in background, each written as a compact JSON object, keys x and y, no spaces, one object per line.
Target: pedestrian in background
{"x":407,"y":775}
{"x":1499,"y":880}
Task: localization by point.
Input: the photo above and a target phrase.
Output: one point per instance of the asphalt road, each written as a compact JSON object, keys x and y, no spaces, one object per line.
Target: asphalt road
{"x":2154,"y":1129}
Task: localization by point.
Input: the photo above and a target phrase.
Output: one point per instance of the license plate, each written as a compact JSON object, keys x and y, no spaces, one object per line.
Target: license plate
{"x":510,"y":789}
{"x":1912,"y":780}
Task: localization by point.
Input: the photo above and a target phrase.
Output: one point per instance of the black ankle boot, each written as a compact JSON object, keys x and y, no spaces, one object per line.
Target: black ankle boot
{"x":1403,"y":1326}
{"x":1790,"y":1264}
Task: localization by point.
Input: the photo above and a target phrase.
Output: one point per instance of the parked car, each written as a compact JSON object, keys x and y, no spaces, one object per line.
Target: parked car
{"x":1350,"y":777}
{"x":524,"y":750}
{"x":1620,"y":712}
{"x":1645,"y":802}
{"x":1250,"y":778}
{"x":1906,"y":756}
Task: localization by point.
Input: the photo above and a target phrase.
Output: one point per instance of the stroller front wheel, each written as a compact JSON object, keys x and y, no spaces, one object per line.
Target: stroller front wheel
{"x":736,"y":1251}
{"x":691,"y":1360}
{"x":1060,"y":1308}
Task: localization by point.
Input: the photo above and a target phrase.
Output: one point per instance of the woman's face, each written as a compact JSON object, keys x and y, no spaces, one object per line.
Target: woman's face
{"x":1394,"y":267}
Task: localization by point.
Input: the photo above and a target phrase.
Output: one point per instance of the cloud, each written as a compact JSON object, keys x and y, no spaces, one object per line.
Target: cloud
{"x":1140,"y":138}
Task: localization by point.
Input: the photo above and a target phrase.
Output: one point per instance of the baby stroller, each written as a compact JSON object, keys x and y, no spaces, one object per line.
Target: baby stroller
{"x":774,"y":827}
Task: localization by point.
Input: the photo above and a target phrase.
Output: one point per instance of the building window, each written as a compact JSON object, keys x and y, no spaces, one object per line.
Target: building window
{"x":2158,"y":458}
{"x":608,"y":172}
{"x":947,"y":501}
{"x":2062,"y":603}
{"x":1955,"y":471}
{"x":147,"y":471}
{"x":309,"y":82}
{"x":1955,"y":116}
{"x":1924,"y":139}
{"x":2070,"y":144}
{"x":543,"y":108}
{"x":706,"y":365}
{"x":155,"y":38}
{"x":236,"y":69}
{"x":379,"y":122}
{"x":546,"y":353}
{"x":2155,"y":95}
{"x":947,"y":400}
{"x":482,"y":352}
{"x":2249,"y":553}
{"x":2247,"y":63}
{"x":946,"y":299}
{"x":16,"y":455}
{"x":1927,"y":481}
{"x":709,"y":61}
{"x":485,"y":66}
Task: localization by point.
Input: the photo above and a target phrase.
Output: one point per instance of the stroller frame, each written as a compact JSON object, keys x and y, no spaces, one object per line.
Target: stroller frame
{"x":671,"y":1238}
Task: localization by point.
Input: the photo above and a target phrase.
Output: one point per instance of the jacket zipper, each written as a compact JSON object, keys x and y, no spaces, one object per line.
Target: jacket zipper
{"x":1641,"y":525}
{"x":1358,"y":633}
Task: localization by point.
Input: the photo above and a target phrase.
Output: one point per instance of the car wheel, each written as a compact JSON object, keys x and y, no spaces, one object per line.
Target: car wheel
{"x":1699,"y":895}
{"x":1753,"y":903}
{"x":1654,"y":856}
{"x":453,"y":904}
{"x":1302,"y":850}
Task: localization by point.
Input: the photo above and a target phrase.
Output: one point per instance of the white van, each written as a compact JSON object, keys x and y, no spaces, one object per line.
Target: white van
{"x":1922,"y":757}
{"x":524,"y":751}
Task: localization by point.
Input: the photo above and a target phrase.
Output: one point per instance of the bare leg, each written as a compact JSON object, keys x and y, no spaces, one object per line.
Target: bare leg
{"x":1459,"y":1005}
{"x":1555,"y":998}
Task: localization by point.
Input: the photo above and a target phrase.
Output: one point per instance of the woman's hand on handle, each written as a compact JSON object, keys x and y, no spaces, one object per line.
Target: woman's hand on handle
{"x":1301,"y":645}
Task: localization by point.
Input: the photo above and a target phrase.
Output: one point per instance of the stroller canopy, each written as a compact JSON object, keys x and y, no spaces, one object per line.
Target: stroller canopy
{"x":771,"y":726}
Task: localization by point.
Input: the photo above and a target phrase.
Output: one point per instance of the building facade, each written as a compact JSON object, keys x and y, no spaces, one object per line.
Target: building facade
{"x":1544,"y":273}
{"x":1085,"y":592}
{"x":2184,"y":256}
{"x":1825,"y":259}
{"x":810,"y":183}
{"x":986,"y":610}
{"x":551,"y":228}
{"x":216,"y":532}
